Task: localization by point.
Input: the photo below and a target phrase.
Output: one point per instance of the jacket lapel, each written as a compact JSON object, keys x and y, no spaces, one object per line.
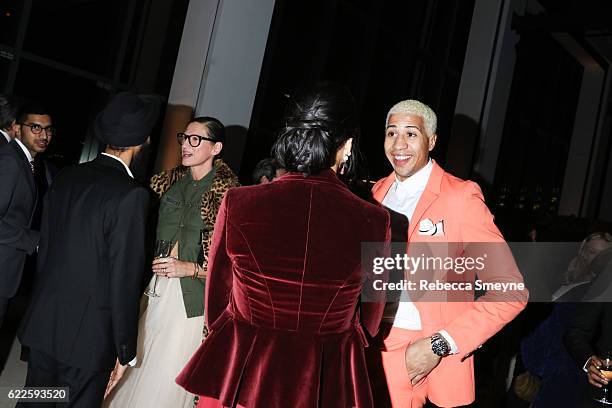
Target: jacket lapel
{"x":27,"y":168}
{"x":109,"y":162}
{"x":380,"y":190}
{"x":430,"y":194}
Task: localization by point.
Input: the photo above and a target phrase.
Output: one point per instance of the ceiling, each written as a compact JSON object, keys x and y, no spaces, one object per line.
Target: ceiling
{"x":588,"y":22}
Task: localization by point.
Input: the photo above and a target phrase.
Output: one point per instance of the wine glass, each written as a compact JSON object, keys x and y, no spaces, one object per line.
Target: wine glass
{"x":162,"y":250}
{"x":606,"y":369}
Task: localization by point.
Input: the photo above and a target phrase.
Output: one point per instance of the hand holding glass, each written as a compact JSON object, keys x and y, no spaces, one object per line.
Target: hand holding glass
{"x":605,"y":394}
{"x":162,"y":250}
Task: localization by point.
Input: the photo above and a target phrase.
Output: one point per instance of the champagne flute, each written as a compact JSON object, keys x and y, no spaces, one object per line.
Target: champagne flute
{"x":606,"y":369}
{"x":162,"y":250}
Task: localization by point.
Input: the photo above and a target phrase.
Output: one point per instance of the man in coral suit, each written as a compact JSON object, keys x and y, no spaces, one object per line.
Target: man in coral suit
{"x":427,"y":352}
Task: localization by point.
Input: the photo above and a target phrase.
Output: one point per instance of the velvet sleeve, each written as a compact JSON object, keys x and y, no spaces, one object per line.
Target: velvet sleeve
{"x":372,"y":310}
{"x":219,"y":272}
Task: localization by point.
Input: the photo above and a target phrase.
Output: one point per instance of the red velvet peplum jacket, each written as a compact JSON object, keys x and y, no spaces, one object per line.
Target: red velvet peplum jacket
{"x":282,"y":297}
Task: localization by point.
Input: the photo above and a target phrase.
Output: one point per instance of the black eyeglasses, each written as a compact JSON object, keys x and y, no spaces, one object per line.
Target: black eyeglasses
{"x":37,"y":129}
{"x":194,"y":140}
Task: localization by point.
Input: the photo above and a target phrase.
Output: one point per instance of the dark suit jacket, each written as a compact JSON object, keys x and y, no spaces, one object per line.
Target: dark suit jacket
{"x":590,"y":331}
{"x":3,"y":140}
{"x":17,"y":203}
{"x":44,"y":173}
{"x":85,"y":301}
{"x":282,"y":294}
{"x":544,"y":355}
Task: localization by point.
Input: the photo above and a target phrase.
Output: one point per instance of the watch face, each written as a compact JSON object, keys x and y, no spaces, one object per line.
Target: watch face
{"x":439,"y":347}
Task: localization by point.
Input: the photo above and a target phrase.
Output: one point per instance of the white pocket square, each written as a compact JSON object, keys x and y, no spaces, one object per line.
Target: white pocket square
{"x":427,"y":227}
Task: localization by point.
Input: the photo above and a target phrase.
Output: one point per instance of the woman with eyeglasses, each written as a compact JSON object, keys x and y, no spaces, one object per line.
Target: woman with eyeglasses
{"x":170,"y":328}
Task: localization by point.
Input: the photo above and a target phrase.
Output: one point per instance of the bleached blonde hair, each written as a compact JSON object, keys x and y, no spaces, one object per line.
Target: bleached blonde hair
{"x":417,"y":108}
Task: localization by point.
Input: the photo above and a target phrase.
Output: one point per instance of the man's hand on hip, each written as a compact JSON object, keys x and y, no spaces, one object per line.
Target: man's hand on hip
{"x":420,"y":359}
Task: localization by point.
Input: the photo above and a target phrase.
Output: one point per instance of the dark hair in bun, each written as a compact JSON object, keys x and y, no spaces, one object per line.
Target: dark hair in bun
{"x":216,"y":130}
{"x":317,"y":124}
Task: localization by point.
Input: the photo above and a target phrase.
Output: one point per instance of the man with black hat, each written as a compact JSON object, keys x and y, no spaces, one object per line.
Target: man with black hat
{"x":84,"y":310}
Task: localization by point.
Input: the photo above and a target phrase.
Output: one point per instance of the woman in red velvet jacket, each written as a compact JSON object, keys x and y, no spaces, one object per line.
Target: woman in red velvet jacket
{"x":284,"y":276}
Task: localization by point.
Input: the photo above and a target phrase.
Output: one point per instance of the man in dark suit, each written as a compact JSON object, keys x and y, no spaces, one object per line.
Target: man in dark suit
{"x":590,"y":331}
{"x":84,"y":310}
{"x":17,"y":203}
{"x":8,"y":113}
{"x":32,"y":125}
{"x":35,"y":121}
{"x":589,"y":335}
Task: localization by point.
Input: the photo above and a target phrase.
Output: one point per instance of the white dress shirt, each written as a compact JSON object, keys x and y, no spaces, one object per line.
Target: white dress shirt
{"x":120,"y":161}
{"x":403,"y":197}
{"x":25,"y":150}
{"x":6,"y":136}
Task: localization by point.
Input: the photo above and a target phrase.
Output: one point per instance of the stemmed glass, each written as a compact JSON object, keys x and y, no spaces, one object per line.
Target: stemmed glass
{"x":606,"y":369}
{"x":162,"y":250}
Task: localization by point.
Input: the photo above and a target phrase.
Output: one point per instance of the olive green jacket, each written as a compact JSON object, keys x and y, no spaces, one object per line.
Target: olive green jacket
{"x":193,"y":289}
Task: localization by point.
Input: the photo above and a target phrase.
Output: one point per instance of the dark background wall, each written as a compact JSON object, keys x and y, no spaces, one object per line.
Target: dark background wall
{"x":384,"y":51}
{"x":72,"y":55}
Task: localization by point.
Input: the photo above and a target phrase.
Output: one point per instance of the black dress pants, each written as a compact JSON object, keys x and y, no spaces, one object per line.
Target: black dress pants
{"x":3,"y":308}
{"x":86,"y":388}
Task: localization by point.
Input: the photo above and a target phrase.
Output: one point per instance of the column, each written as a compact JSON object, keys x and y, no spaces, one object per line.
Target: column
{"x":231,"y":75}
{"x":579,"y":168}
{"x":484,"y":89}
{"x":190,"y":63}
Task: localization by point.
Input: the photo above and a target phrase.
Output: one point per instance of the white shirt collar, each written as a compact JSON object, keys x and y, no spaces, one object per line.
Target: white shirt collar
{"x":25,"y":150}
{"x":120,"y":161}
{"x":6,"y":135}
{"x":415,"y":183}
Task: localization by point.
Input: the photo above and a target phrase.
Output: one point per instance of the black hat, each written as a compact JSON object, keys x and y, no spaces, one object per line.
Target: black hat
{"x":127,"y":120}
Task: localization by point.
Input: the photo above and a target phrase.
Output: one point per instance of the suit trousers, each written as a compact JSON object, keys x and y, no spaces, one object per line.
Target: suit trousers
{"x":86,"y":388}
{"x":3,"y":308}
{"x":391,"y":385}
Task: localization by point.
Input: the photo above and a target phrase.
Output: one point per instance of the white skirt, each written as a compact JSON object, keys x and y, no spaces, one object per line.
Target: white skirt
{"x":166,"y":341}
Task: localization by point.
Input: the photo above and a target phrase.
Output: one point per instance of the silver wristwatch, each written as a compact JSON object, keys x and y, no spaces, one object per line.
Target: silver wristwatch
{"x":439,"y":345}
